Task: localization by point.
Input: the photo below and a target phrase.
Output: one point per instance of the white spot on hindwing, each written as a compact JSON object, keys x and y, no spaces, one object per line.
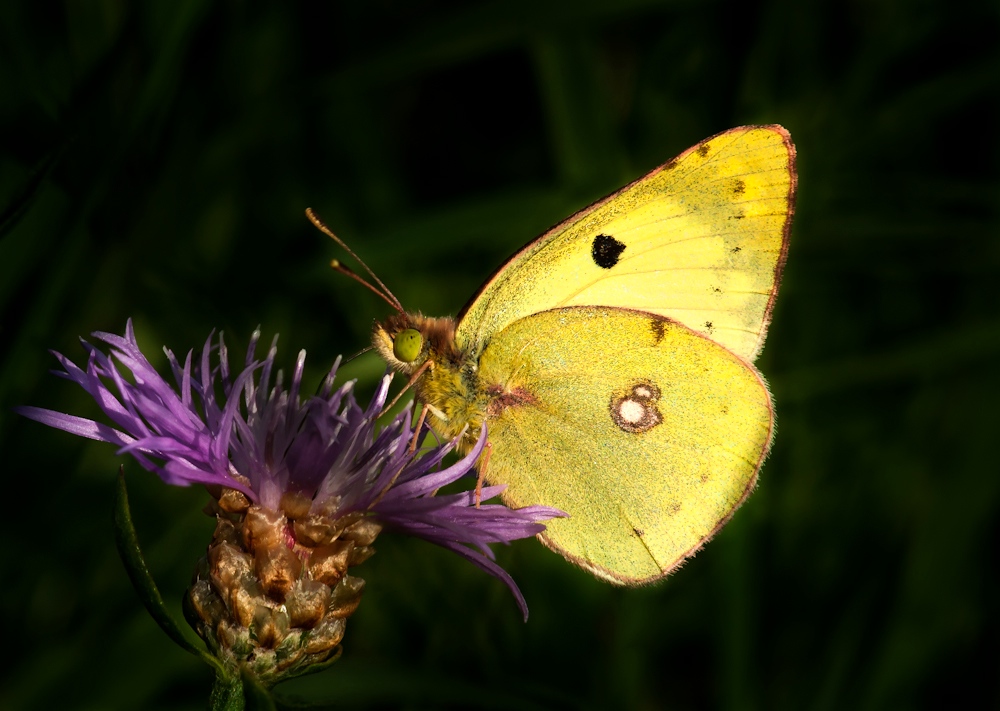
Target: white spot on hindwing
{"x":631,"y":411}
{"x":636,"y":411}
{"x":644,"y":391}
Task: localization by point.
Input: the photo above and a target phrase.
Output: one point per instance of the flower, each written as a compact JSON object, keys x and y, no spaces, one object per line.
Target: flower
{"x":302,"y":487}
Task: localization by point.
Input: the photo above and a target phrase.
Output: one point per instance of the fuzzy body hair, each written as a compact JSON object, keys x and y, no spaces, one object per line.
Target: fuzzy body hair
{"x":449,"y":386}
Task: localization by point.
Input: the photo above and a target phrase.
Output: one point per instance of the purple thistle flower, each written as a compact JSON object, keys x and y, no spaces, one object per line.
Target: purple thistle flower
{"x":321,"y":455}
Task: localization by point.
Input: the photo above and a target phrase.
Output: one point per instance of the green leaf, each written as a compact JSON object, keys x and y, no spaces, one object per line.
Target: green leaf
{"x":142,"y":580}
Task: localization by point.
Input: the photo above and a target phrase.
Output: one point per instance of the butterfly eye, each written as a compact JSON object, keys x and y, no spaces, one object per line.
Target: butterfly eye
{"x":407,"y":344}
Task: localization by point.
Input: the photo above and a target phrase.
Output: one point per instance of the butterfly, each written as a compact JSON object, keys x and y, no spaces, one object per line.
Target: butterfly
{"x":610,"y":358}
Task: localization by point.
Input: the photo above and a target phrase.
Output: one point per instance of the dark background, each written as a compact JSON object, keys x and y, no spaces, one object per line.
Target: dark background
{"x":155,"y":162}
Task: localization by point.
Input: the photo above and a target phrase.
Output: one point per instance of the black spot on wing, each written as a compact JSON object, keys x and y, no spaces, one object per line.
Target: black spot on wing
{"x":739,"y":187}
{"x":606,"y":251}
{"x":703,"y":150}
{"x":736,"y":250}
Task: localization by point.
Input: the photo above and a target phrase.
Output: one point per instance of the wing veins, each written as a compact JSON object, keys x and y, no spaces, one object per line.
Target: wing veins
{"x":691,"y":213}
{"x":710,"y":235}
{"x":766,"y":171}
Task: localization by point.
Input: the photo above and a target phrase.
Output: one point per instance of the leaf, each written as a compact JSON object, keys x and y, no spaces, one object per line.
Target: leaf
{"x":142,"y":580}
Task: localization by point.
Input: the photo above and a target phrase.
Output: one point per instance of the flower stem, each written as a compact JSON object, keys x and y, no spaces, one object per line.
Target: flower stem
{"x":227,"y":694}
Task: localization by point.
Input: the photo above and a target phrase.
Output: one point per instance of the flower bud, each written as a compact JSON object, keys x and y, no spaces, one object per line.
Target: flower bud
{"x":275,"y":593}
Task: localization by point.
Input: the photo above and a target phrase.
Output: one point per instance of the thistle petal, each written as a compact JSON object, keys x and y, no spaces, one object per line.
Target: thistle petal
{"x":321,"y":461}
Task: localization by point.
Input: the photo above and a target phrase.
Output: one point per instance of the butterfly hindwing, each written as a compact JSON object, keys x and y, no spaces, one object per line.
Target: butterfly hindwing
{"x":648,"y":434}
{"x":701,"y":240}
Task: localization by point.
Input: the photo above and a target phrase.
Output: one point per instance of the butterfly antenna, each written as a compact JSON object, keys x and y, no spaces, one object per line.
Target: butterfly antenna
{"x":382,"y":291}
{"x":348,"y":272}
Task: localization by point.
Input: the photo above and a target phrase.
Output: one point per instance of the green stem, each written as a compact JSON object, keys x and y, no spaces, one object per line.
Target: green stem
{"x":227,"y":694}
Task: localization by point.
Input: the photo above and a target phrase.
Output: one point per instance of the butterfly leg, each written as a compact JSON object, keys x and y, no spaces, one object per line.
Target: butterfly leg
{"x":484,"y":460}
{"x":416,"y":430}
{"x":409,"y":384}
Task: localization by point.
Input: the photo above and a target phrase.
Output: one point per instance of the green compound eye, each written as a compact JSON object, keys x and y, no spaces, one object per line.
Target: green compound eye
{"x":407,"y":344}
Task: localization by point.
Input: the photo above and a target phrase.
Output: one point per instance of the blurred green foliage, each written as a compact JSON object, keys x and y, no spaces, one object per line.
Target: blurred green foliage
{"x":157,"y":158}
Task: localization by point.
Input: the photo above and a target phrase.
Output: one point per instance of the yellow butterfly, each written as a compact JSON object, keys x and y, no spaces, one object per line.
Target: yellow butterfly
{"x":611,"y":357}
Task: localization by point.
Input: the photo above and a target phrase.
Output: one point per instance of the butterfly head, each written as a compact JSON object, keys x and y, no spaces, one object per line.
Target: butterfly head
{"x":407,"y":341}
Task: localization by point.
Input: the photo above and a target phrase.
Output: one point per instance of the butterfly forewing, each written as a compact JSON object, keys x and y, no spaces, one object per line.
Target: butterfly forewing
{"x":701,"y":239}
